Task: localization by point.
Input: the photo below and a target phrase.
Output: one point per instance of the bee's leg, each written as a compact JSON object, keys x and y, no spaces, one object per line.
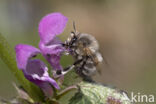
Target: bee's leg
{"x":59,"y":73}
{"x":80,"y":69}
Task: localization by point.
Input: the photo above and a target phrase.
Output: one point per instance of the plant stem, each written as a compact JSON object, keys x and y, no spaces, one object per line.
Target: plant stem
{"x":65,"y":91}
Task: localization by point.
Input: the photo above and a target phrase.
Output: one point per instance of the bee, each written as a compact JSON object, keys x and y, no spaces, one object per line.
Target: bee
{"x":85,"y":50}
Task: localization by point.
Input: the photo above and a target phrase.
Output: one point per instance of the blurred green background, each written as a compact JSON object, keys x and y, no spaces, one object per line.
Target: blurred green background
{"x":125,"y":30}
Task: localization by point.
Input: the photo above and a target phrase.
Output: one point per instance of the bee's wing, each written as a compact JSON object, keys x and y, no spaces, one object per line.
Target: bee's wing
{"x":103,"y":73}
{"x":102,"y":62}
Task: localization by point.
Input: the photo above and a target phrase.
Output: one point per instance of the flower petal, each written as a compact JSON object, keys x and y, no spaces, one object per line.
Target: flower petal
{"x":54,"y":60}
{"x":52,"y":82}
{"x":52,"y":52}
{"x":54,"y":48}
{"x":35,"y":68}
{"x":23,"y":53}
{"x":47,"y":89}
{"x":51,"y":25}
{"x":37,"y":72}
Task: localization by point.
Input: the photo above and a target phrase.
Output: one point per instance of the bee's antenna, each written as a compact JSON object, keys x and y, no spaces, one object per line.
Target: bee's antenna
{"x":75,"y":31}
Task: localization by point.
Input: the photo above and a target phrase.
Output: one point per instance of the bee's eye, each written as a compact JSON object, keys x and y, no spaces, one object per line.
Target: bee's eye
{"x":75,"y":38}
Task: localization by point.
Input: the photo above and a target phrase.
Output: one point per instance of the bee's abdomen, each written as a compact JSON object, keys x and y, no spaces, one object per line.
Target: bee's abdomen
{"x":89,"y":69}
{"x":86,"y":68}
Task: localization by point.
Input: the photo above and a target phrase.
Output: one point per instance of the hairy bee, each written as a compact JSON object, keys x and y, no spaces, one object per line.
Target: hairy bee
{"x":85,"y":50}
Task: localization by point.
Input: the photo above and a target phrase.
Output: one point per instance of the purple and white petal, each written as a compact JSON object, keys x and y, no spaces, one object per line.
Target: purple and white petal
{"x":37,"y":72}
{"x":52,"y":53}
{"x":54,"y":48}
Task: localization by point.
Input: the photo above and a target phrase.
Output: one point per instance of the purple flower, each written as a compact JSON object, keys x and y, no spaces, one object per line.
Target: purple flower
{"x":50,"y":26}
{"x":50,"y":47}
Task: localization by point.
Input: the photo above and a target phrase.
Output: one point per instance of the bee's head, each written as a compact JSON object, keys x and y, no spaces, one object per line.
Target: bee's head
{"x":73,"y":36}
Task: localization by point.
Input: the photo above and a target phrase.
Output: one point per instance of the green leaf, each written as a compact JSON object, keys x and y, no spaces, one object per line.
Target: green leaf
{"x":8,"y":56}
{"x":92,"y":93}
{"x":71,"y":78}
{"x":79,"y":98}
